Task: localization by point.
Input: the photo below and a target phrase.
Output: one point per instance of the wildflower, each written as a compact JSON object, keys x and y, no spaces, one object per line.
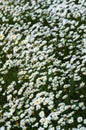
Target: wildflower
{"x":41,"y":114}
{"x":84,"y":121}
{"x":9,"y":97}
{"x":79,"y":119}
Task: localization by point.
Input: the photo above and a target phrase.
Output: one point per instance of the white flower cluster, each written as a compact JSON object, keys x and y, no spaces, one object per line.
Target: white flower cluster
{"x":43,"y":64}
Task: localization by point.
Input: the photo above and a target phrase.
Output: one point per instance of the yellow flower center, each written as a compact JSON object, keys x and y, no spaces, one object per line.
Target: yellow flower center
{"x":17,"y":123}
{"x":0,"y":36}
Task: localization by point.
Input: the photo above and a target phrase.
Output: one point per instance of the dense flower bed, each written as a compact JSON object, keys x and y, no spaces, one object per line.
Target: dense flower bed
{"x":43,"y":64}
